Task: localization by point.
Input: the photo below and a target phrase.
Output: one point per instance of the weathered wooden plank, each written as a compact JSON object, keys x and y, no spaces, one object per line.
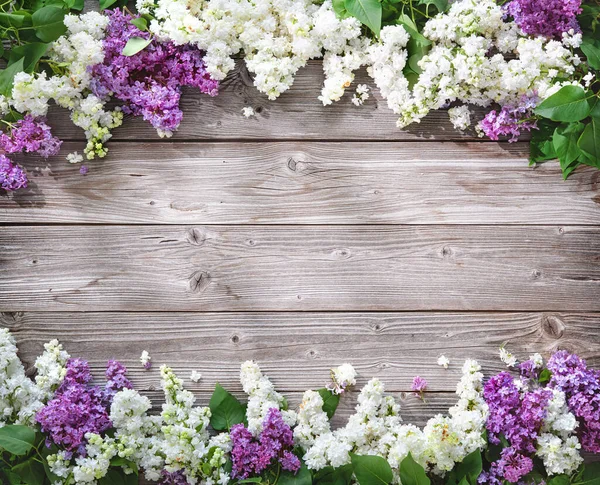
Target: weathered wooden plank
{"x":297,"y":114}
{"x":297,"y":349}
{"x":306,"y":183}
{"x":345,"y":268}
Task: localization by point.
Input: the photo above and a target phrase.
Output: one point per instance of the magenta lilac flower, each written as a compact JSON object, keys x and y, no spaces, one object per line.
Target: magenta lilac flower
{"x":173,"y":478}
{"x":30,"y":135}
{"x":518,"y":416}
{"x":419,"y":385}
{"x":548,"y":18}
{"x":510,"y":121}
{"x":149,"y":82}
{"x":581,"y":386}
{"x":12,"y":176}
{"x":251,"y":456}
{"x":79,"y":408}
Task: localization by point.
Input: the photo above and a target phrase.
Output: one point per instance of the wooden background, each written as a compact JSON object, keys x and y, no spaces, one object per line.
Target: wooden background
{"x":302,"y":238}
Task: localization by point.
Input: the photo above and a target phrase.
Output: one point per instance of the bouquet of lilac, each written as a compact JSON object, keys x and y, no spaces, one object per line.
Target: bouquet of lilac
{"x":528,"y":427}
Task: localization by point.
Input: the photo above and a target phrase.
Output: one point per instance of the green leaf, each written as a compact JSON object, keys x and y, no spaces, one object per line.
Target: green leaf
{"x":591,"y":474}
{"x":11,"y":20}
{"x":48,"y":23}
{"x":441,"y":5}
{"x":334,"y":476}
{"x":330,"y":401}
{"x":470,"y":468}
{"x":12,"y":477}
{"x":16,"y":439}
{"x":250,"y":480}
{"x":545,"y":376}
{"x":570,"y":103}
{"x":112,"y":477}
{"x":371,"y":470}
{"x":541,"y":146}
{"x":141,"y":23}
{"x":412,"y":29}
{"x":119,"y":461}
{"x":225,"y":409}
{"x":565,"y":144}
{"x":31,"y":54}
{"x":135,"y":45}
{"x":301,"y":477}
{"x":463,"y":482}
{"x":595,"y":107}
{"x":104,"y":4}
{"x":559,"y":480}
{"x":591,"y":49}
{"x":367,"y":11}
{"x":339,"y":7}
{"x":411,"y":473}
{"x":589,"y":142}
{"x":31,"y":472}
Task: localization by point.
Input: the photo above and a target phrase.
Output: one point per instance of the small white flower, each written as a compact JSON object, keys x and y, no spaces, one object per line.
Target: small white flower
{"x":146,"y":360}
{"x":361,"y":95}
{"x":195,"y":376}
{"x":509,"y":359}
{"x":248,"y":111}
{"x":74,"y":157}
{"x":443,"y":361}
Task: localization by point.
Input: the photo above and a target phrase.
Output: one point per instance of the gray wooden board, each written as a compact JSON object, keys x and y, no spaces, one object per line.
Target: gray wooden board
{"x":297,"y":349}
{"x":343,"y":268}
{"x":305,"y":183}
{"x":297,"y":114}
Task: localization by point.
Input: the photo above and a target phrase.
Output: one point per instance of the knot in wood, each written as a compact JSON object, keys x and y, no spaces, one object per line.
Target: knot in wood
{"x":199,"y":281}
{"x":553,"y":326}
{"x":195,"y":237}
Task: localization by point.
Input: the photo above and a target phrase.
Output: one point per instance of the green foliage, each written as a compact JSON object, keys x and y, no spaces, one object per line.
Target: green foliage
{"x":369,"y":12}
{"x":225,"y":409}
{"x":467,"y":471}
{"x":302,"y":477}
{"x":569,"y":104}
{"x":48,"y":23}
{"x":135,"y":45}
{"x":372,"y":470}
{"x":17,"y":440}
{"x":330,"y":401}
{"x":411,"y":473}
{"x":334,"y":476}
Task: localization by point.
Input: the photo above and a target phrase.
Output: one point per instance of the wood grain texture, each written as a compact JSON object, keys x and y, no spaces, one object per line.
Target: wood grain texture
{"x":344,"y":268}
{"x":297,"y":115}
{"x":297,"y":349}
{"x":306,"y":183}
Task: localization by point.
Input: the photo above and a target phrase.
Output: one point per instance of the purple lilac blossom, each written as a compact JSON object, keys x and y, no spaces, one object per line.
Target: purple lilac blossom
{"x":84,"y":170}
{"x":547,"y":18}
{"x":79,"y":408}
{"x":149,"y":82}
{"x":12,"y":176}
{"x":30,"y":135}
{"x":173,"y":478}
{"x":581,"y":386}
{"x":510,"y":121}
{"x":419,"y":385}
{"x":251,"y":456}
{"x":519,"y":417}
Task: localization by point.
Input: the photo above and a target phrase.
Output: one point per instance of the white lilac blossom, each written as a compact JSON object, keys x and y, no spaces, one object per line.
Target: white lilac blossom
{"x":377,"y":429}
{"x":248,"y":111}
{"x":312,"y":420}
{"x":195,"y":376}
{"x":341,"y":378}
{"x":505,"y":356}
{"x":262,"y":396}
{"x":443,"y":361}
{"x":557,"y":444}
{"x":51,"y":368}
{"x":146,"y":360}
{"x":460,"y":117}
{"x":71,"y":58}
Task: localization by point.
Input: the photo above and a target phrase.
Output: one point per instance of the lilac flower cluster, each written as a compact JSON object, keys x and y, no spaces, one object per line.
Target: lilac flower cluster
{"x":173,"y":478}
{"x":518,"y":417}
{"x":510,"y":121}
{"x":581,"y":386}
{"x":149,"y":82}
{"x":12,"y":176}
{"x":30,"y":135}
{"x":251,"y":456}
{"x":78,"y":408}
{"x":547,"y":18}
